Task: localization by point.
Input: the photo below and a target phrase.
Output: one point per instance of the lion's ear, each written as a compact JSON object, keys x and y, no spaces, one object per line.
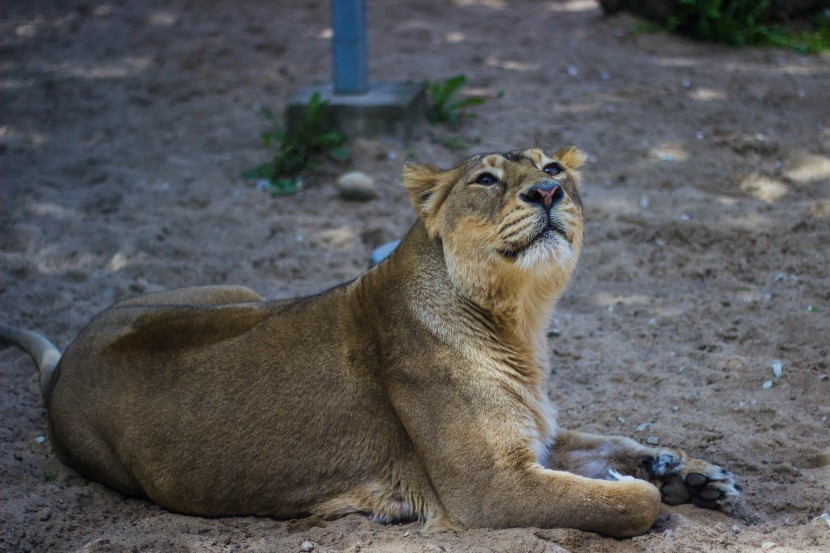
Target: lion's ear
{"x":571,"y":157}
{"x":422,"y":183}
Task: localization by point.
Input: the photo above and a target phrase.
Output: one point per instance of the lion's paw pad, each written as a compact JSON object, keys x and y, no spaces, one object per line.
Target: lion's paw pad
{"x":694,"y":481}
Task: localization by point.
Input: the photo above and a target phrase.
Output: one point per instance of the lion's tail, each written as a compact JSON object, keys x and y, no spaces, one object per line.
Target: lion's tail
{"x":44,"y":352}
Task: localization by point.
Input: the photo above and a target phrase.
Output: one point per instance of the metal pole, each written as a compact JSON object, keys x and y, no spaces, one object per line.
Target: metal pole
{"x":350,"y":54}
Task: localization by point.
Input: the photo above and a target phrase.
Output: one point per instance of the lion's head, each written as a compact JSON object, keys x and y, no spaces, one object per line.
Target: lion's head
{"x":510,"y":224}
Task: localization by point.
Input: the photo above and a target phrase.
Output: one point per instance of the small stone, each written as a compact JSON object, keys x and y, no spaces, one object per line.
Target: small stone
{"x":356,"y":186}
{"x":382,"y":252}
{"x":777,"y":368}
{"x":642,"y":426}
{"x":653,"y":440}
{"x":823,"y":516}
{"x":406,"y":534}
{"x":41,"y":439}
{"x":44,"y":514}
{"x":307,"y":546}
{"x":736,"y":529}
{"x":767,"y":384}
{"x":768,"y":545}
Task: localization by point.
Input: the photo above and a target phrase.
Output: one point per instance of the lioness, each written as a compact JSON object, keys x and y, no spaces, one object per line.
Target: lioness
{"x":418,"y":390}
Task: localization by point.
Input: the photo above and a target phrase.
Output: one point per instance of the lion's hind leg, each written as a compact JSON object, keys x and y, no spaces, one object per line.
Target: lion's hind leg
{"x":681,"y":479}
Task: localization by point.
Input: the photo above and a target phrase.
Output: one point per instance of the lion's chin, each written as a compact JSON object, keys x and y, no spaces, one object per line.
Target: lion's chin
{"x":553,"y":236}
{"x":550,"y":250}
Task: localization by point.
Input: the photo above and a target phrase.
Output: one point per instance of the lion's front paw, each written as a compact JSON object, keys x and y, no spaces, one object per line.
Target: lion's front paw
{"x":688,"y":480}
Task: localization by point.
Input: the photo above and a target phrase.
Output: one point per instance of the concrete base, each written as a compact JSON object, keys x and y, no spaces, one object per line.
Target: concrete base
{"x":389,"y":109}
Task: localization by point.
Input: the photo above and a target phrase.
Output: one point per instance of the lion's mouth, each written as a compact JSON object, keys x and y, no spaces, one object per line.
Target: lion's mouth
{"x":553,"y":227}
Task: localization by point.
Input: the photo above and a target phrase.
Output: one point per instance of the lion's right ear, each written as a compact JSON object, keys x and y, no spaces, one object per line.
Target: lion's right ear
{"x":422,"y":183}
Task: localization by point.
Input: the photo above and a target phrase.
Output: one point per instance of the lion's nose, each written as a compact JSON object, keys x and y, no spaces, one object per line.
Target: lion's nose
{"x":548,"y":193}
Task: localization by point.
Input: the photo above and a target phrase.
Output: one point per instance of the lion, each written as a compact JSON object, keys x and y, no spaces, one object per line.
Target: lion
{"x":416,"y":391}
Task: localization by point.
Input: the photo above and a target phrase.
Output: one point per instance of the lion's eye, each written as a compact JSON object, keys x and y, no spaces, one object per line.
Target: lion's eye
{"x":486,"y":179}
{"x":553,"y":169}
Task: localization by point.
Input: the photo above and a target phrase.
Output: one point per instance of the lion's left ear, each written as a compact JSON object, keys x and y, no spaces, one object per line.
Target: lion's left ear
{"x":570,"y":157}
{"x":422,"y":183}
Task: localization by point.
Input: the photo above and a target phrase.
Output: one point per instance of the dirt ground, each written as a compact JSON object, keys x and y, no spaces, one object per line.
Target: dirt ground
{"x":125,"y":126}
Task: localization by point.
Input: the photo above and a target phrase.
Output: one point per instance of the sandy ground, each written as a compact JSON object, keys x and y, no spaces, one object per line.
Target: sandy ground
{"x":125,"y":126}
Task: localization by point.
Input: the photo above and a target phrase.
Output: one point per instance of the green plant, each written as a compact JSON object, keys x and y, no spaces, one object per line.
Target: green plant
{"x":298,"y":149}
{"x":444,"y":104}
{"x":455,"y":143}
{"x":744,"y":22}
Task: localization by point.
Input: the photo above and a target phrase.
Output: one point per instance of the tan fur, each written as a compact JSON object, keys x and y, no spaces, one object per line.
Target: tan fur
{"x":419,"y":390}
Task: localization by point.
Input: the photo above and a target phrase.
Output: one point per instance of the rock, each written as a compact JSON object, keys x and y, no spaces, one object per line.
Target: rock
{"x":307,"y":546}
{"x":44,"y":514}
{"x":382,"y":252}
{"x":777,"y":368}
{"x":356,"y":186}
{"x":653,"y":440}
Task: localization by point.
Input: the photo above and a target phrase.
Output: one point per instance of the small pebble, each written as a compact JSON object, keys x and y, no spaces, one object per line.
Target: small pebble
{"x":767,"y":384}
{"x":573,"y":71}
{"x":768,"y":545}
{"x":382,"y":252}
{"x":307,"y":546}
{"x":406,"y":534}
{"x":44,"y":514}
{"x":356,"y":186}
{"x":41,"y":439}
{"x":736,"y":529}
{"x":644,"y":202}
{"x":653,"y":440}
{"x":642,"y":426}
{"x":777,"y":367}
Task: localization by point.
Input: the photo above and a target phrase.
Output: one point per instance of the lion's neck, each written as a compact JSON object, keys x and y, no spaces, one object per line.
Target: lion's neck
{"x":505,"y":318}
